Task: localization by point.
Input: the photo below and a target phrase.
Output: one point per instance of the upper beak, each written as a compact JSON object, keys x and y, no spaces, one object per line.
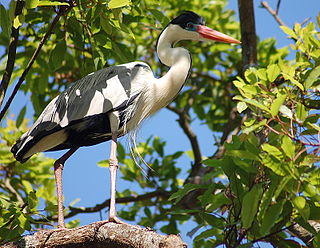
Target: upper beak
{"x":208,"y":33}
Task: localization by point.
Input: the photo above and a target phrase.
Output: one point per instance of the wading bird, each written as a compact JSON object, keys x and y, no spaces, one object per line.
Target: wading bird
{"x":109,"y":103}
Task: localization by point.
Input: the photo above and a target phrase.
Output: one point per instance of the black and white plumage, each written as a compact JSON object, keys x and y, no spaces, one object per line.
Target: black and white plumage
{"x":109,"y":103}
{"x":84,"y":114}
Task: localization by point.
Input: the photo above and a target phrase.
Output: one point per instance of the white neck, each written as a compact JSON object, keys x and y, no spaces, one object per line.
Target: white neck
{"x":179,"y":61}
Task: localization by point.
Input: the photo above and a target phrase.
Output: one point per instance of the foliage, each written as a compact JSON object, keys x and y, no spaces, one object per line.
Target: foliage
{"x":24,"y":188}
{"x":258,"y":183}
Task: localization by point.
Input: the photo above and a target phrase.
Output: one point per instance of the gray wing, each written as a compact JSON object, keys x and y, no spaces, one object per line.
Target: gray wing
{"x":95,"y":95}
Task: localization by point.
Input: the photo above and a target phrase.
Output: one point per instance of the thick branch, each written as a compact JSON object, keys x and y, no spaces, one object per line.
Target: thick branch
{"x":304,"y":234}
{"x":99,"y":234}
{"x":12,"y":50}
{"x":248,"y":34}
{"x":62,"y":10}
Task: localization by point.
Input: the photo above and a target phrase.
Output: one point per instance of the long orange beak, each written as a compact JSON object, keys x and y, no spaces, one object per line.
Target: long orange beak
{"x":208,"y":33}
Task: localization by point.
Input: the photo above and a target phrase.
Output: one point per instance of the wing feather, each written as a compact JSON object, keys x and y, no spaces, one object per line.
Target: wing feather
{"x":96,"y":94}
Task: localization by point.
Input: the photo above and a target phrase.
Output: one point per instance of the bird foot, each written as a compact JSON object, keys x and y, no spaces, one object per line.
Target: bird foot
{"x":116,"y":220}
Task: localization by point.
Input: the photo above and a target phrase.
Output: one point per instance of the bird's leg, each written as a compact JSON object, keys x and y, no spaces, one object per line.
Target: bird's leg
{"x":58,"y":168}
{"x":113,"y":166}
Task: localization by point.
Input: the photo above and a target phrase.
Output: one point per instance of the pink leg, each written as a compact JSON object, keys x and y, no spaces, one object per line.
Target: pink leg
{"x":113,"y":166}
{"x":58,"y":168}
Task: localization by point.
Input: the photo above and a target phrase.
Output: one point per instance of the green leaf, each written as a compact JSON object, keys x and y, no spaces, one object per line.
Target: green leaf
{"x":288,"y":146}
{"x":271,"y":216}
{"x":206,"y":234}
{"x":252,"y":102}
{"x":254,"y":127}
{"x":4,"y":22}
{"x":262,"y":74}
{"x":241,"y":106}
{"x":301,"y":112}
{"x":185,"y":190}
{"x":21,"y":116}
{"x":105,"y":24}
{"x":302,"y":206}
{"x":160,"y":17}
{"x":281,"y":97}
{"x":313,"y":77}
{"x":158,"y":146}
{"x":213,"y":220}
{"x":250,"y":205}
{"x":242,"y":154}
{"x":54,"y":3}
{"x":273,"y":164}
{"x":289,"y":32}
{"x":18,"y":20}
{"x":286,"y":111}
{"x":273,"y":72}
{"x":284,"y":181}
{"x":103,"y":163}
{"x":273,"y":151}
{"x":57,"y":55}
{"x":250,"y":75}
{"x":118,"y":3}
{"x":299,"y":202}
{"x":31,"y":4}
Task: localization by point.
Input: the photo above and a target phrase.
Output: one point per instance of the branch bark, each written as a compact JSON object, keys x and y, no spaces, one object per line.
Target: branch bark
{"x":248,"y":34}
{"x":99,"y":234}
{"x":62,"y":11}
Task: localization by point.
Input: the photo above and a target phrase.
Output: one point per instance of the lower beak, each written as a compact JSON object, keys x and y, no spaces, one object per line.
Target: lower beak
{"x":208,"y":33}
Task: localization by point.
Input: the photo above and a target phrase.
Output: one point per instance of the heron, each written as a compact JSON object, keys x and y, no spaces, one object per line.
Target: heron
{"x":113,"y":101}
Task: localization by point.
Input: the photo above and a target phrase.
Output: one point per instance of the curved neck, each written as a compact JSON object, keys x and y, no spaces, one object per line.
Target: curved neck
{"x":179,"y":61}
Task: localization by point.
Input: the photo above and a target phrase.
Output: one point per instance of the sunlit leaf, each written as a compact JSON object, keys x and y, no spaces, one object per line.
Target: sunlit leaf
{"x":313,"y":77}
{"x":273,"y":72}
{"x":118,"y":3}
{"x":281,"y":97}
{"x":288,"y":146}
{"x":286,"y":111}
{"x":31,"y":4}
{"x":53,"y":3}
{"x":289,"y":31}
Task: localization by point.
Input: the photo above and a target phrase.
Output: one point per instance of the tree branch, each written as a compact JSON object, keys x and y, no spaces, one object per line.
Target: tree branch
{"x":265,"y":5}
{"x":81,"y":210}
{"x":62,"y":10}
{"x":278,"y":6}
{"x":99,"y":234}
{"x":248,"y":34}
{"x":185,"y":125}
{"x":12,"y":50}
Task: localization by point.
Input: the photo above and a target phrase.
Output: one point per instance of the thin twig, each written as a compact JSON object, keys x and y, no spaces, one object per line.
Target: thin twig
{"x":185,"y":125}
{"x":272,"y":12}
{"x":271,"y":234}
{"x":305,"y":21}
{"x":62,"y":10}
{"x":278,"y":6}
{"x":97,"y":208}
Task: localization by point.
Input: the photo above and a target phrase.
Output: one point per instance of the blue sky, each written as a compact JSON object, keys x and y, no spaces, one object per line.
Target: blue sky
{"x":83,"y":179}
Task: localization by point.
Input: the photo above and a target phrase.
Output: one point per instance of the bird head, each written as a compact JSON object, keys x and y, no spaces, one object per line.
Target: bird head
{"x":190,"y":26}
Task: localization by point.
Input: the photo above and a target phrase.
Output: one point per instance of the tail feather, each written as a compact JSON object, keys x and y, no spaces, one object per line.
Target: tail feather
{"x":18,"y":151}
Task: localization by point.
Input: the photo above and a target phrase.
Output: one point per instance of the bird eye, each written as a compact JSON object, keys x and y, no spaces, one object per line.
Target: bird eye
{"x":190,"y":26}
